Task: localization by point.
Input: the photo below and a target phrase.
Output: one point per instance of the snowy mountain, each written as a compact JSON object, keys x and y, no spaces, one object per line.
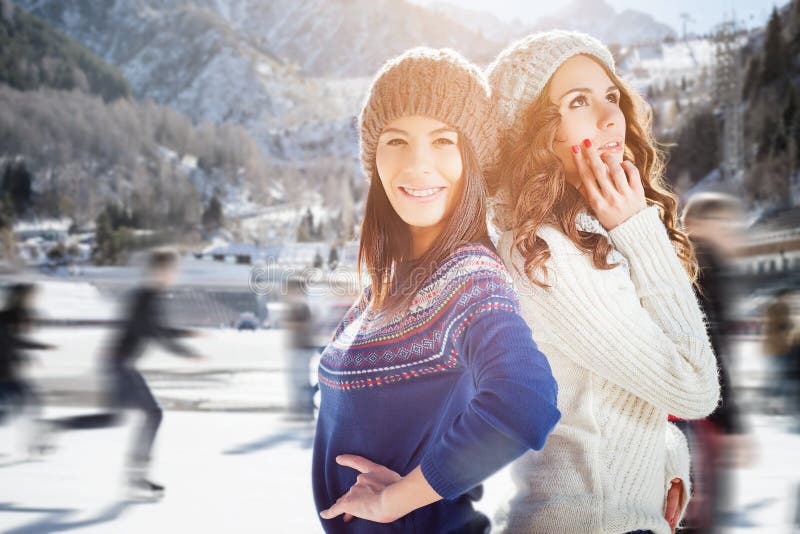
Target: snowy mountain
{"x":346,"y":38}
{"x":595,"y":17}
{"x":190,"y":58}
{"x":654,"y":65}
{"x":293,"y":73}
{"x":487,"y":24}
{"x":598,"y":18}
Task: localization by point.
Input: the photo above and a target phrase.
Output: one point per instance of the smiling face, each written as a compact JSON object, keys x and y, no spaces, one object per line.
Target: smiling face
{"x":419,"y":163}
{"x":588,"y":102}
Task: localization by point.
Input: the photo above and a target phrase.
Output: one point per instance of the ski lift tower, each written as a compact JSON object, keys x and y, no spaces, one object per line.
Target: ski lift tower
{"x":727,"y":92}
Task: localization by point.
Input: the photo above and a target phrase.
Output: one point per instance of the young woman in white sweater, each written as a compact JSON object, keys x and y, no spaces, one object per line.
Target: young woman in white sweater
{"x":589,"y":234}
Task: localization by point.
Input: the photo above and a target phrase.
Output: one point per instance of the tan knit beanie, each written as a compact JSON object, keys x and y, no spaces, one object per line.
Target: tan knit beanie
{"x":439,"y":84}
{"x":520,"y":72}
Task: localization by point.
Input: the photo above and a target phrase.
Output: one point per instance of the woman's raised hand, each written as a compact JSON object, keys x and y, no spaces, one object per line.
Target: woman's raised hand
{"x":611,"y":188}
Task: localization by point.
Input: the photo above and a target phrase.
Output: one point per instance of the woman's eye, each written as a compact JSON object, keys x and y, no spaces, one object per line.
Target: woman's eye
{"x":444,"y":141}
{"x":396,"y":142}
{"x":613,"y":98}
{"x":578,"y":101}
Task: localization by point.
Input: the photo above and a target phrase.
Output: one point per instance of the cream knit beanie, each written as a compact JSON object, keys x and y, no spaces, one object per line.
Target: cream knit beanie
{"x":439,"y":84}
{"x":520,"y":72}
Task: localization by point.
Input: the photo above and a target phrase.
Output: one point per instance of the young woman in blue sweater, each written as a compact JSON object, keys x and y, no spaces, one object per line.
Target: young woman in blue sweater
{"x":432,"y":381}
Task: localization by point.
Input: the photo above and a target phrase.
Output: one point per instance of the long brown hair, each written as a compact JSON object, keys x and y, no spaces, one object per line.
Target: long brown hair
{"x":531,"y":172}
{"x":385,"y":248}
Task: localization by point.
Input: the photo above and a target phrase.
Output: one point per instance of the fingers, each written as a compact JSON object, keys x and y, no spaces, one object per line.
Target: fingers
{"x":369,"y":480}
{"x":617,"y":172}
{"x":348,"y":517}
{"x":588,"y":189}
{"x":634,"y":178}
{"x":334,"y":511}
{"x":598,"y":168}
{"x":359,"y":463}
{"x":672,"y":509}
{"x":673,"y":502}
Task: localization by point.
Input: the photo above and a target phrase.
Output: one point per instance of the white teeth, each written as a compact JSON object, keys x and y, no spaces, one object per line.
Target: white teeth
{"x":613,"y":144}
{"x":421,"y":192}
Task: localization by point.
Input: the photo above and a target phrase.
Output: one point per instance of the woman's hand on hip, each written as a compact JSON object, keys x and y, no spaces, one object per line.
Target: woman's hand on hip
{"x":672,"y":507}
{"x":380,"y":494}
{"x":365,"y":497}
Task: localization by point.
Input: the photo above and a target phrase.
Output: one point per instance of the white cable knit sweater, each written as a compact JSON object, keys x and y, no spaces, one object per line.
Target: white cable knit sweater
{"x":627,"y":346}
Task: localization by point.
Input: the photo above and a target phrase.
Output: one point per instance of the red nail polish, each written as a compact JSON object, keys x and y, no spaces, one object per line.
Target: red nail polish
{"x":587,"y":143}
{"x":575,"y":149}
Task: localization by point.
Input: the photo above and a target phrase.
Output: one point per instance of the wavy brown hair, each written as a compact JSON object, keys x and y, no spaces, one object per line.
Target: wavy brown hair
{"x":533,"y":174}
{"x":385,"y":248}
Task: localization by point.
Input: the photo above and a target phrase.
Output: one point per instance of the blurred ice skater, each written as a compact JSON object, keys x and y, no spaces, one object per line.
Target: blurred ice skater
{"x":781,"y":349}
{"x":299,"y":352}
{"x":17,"y":394}
{"x":713,"y":222}
{"x":145,"y":321}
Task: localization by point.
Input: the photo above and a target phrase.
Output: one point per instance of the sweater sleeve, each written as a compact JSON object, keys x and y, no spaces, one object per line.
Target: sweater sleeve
{"x":645,"y":333}
{"x":513,"y":410}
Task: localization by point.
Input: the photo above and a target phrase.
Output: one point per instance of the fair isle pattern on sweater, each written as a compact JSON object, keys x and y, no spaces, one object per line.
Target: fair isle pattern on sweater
{"x":370,"y":350}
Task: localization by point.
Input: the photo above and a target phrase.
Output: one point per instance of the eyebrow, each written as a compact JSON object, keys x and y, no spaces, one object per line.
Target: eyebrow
{"x":445,"y":129}
{"x":587,"y":90}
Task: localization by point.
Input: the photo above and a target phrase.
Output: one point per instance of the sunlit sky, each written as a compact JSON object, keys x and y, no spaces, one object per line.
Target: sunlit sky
{"x":706,"y":13}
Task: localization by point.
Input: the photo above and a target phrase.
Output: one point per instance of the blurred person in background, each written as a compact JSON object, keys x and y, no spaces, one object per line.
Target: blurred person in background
{"x":17,"y":394}
{"x":299,"y":352}
{"x":780,"y":349}
{"x":713,"y":222}
{"x":144,"y":321}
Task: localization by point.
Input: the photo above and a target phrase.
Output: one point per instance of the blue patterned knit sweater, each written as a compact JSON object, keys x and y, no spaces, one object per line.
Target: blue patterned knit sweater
{"x":456,"y":385}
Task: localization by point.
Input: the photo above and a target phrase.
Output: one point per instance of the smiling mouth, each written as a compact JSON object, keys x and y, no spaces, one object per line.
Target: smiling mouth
{"x":421,"y":193}
{"x":612,"y":145}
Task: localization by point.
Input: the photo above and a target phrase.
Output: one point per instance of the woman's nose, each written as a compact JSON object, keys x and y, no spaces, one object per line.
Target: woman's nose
{"x":419,"y":161}
{"x":609,"y":117}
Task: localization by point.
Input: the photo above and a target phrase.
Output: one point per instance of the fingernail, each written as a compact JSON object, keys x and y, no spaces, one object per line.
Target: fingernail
{"x":676,"y":480}
{"x":575,"y":149}
{"x":587,"y":143}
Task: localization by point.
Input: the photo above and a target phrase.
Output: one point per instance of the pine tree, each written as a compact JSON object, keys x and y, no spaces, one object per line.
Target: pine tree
{"x":774,"y":55}
{"x":790,"y":108}
{"x":17,"y":184}
{"x":696,"y":149}
{"x":103,"y":236}
{"x":8,"y":248}
{"x":212,"y":218}
{"x":6,"y":214}
{"x":794,"y":27}
{"x":333,"y":258}
{"x":305,"y":231}
{"x":751,"y":76}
